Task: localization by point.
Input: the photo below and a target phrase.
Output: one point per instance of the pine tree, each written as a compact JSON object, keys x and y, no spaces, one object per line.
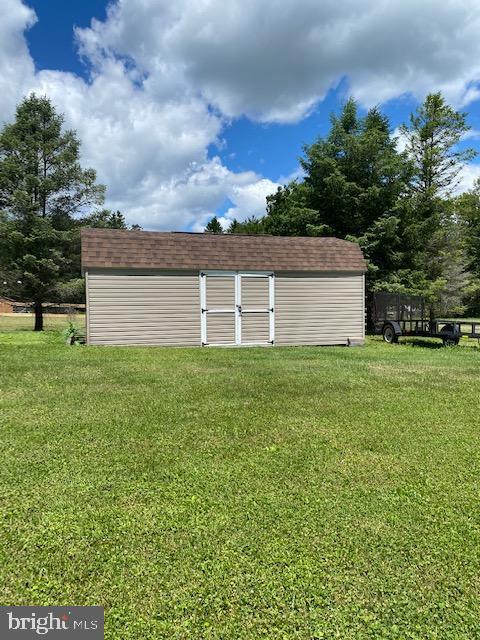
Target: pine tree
{"x":432,"y":142}
{"x":467,"y":209}
{"x":467,"y":212}
{"x":214,"y":226}
{"x":106,"y":219}
{"x":251,"y":225}
{"x":354,"y":180}
{"x":428,"y":229}
{"x":42,"y":189}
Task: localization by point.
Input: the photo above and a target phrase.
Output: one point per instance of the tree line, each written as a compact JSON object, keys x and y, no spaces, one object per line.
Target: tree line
{"x":45,"y":198}
{"x":399,"y":202}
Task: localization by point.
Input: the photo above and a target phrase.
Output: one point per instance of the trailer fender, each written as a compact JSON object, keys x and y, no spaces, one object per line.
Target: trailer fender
{"x":451,"y":334}
{"x":391,"y":331}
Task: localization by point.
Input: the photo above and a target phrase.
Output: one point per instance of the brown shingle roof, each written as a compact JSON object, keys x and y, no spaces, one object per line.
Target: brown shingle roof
{"x":176,"y":250}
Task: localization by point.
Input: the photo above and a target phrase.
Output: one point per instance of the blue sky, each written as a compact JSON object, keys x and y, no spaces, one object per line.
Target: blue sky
{"x":188,"y":109}
{"x":50,"y":40}
{"x":269,"y":149}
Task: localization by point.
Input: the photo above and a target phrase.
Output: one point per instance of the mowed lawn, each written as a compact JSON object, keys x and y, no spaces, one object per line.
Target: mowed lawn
{"x":52,"y":321}
{"x":298,"y":493}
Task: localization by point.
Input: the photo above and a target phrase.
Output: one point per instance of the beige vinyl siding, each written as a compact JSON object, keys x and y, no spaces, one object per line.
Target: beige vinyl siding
{"x":220,"y":292}
{"x":255,"y":328}
{"x":319,"y":309}
{"x":221,"y":328}
{"x":255,"y":292}
{"x":255,"y":295}
{"x":143,"y":307}
{"x":153,"y":307}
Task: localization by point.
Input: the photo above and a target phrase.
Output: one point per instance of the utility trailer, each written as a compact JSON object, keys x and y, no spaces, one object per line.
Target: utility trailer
{"x":396,"y":315}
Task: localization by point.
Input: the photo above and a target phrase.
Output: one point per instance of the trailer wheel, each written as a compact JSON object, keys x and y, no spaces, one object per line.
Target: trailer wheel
{"x":389,"y":334}
{"x":449,"y":340}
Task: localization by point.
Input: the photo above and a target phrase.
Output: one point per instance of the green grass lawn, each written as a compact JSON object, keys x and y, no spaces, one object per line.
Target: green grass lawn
{"x":296,"y":493}
{"x":52,"y":321}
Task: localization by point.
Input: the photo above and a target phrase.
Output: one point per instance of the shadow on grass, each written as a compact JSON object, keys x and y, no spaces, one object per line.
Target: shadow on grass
{"x":426,"y":344}
{"x":438,"y":344}
{"x":430,"y":343}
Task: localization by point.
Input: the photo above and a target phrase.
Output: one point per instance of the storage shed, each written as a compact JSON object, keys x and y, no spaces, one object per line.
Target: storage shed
{"x":152,"y":288}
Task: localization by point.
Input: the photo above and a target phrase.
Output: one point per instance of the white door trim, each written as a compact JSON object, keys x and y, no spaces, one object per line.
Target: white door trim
{"x":238,"y":308}
{"x":204,"y":311}
{"x":203,"y":307}
{"x":270,"y":310}
{"x":271,"y":304}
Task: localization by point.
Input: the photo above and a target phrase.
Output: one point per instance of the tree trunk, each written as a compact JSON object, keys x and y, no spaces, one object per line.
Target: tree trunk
{"x":38,"y":316}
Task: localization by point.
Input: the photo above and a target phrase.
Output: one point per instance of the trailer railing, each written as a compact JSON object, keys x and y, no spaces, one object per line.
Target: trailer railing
{"x":396,"y":315}
{"x":466,"y":328}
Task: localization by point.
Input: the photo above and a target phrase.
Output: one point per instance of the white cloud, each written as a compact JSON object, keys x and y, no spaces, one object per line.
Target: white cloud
{"x":198,"y":193}
{"x":249,"y":198}
{"x":132,"y":139}
{"x":149,"y":147}
{"x":16,"y":65}
{"x":472,"y":134}
{"x":166,"y":77}
{"x":274,"y":61}
{"x":402,"y":141}
{"x":295,"y":176}
{"x":467,"y":177}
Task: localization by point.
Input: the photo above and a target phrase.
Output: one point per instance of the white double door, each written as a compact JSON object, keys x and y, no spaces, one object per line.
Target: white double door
{"x":237,"y":308}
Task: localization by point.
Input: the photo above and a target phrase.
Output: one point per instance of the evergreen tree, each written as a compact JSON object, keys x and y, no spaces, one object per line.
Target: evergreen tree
{"x":432,"y":142}
{"x":467,"y":208}
{"x":354,"y":180}
{"x":234,"y":225}
{"x":429,"y":230}
{"x":214,"y":226}
{"x":107,"y":219}
{"x":467,"y":212}
{"x":397,"y":206}
{"x":251,"y":225}
{"x":289,"y":213}
{"x":355,"y":175}
{"x":42,"y":189}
